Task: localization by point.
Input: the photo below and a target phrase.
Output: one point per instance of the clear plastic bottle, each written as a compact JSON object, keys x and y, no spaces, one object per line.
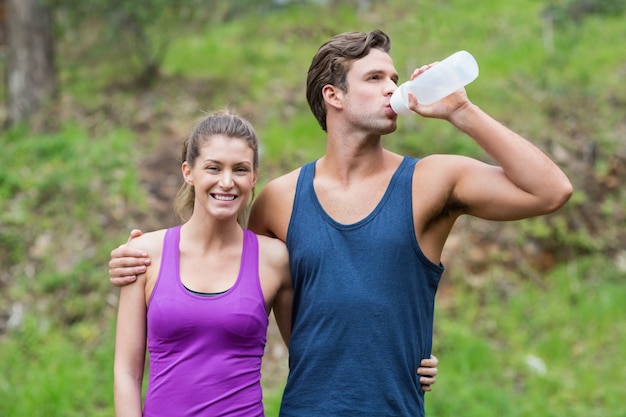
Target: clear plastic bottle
{"x":443,"y":79}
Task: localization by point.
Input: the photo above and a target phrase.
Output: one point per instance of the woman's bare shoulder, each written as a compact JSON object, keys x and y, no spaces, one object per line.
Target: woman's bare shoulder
{"x":150,"y":242}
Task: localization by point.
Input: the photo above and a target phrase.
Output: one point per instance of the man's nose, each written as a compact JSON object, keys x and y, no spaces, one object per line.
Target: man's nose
{"x":390,"y":87}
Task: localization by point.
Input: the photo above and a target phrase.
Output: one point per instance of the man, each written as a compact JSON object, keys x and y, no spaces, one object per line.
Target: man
{"x":365,"y":229}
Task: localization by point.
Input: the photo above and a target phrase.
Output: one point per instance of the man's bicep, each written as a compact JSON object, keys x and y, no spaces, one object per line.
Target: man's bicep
{"x":257,"y":222}
{"x":271,"y":210}
{"x":486,"y":192}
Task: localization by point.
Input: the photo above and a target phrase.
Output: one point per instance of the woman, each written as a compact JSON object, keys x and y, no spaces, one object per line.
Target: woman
{"x":203,"y":303}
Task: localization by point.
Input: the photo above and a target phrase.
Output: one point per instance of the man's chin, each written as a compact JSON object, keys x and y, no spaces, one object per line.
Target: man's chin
{"x":390,"y":129}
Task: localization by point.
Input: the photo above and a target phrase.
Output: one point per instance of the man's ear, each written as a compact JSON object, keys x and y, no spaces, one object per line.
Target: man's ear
{"x":333,"y":96}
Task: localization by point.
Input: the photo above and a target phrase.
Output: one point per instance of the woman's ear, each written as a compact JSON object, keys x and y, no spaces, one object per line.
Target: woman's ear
{"x":256,"y":176}
{"x":186,"y":170}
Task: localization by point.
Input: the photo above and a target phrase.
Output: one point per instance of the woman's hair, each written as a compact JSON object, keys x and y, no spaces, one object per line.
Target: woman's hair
{"x":332,"y":62}
{"x":225,"y":123}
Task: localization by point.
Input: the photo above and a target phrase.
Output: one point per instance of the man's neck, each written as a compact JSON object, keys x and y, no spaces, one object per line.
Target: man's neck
{"x":350,"y":158}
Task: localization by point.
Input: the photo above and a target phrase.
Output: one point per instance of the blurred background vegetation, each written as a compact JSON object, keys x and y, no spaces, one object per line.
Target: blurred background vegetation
{"x":530,"y":316}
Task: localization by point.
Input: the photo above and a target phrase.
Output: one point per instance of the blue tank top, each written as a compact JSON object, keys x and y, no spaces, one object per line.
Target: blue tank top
{"x":205,"y":352}
{"x":363,"y":307}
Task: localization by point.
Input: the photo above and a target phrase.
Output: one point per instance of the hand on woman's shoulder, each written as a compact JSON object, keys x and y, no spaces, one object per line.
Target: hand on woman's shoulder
{"x":151,"y":242}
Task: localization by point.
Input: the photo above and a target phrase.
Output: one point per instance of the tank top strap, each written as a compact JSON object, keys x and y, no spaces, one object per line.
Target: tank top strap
{"x":249,"y":270}
{"x":404,"y":173}
{"x":170,"y":257}
{"x":401,"y":187}
{"x":169,"y":270}
{"x":306,"y":176}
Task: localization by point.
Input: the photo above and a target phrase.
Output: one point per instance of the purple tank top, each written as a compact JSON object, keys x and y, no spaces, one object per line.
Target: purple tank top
{"x":205,"y":351}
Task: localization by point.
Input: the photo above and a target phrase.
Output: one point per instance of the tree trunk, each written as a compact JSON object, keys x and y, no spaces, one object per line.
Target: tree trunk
{"x":31,"y":78}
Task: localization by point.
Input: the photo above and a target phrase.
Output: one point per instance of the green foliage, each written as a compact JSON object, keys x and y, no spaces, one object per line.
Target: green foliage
{"x":271,"y":401}
{"x":64,"y":175}
{"x":547,"y":348}
{"x":140,"y":33}
{"x":128,"y":29}
{"x":68,"y":198}
{"x":60,"y":193}
{"x":574,"y":11}
{"x":44,"y":372}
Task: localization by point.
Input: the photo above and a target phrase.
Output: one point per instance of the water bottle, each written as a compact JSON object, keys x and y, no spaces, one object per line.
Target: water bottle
{"x":439,"y":81}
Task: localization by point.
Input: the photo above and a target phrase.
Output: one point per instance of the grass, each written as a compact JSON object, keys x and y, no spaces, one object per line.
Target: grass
{"x":511,"y":341}
{"x":548,"y":349}
{"x":58,"y":195}
{"x":271,"y":401}
{"x":45,"y":372}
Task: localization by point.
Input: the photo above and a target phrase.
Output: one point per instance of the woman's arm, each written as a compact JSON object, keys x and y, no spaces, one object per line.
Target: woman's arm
{"x":130,"y":349}
{"x":276,"y":282}
{"x":283,"y":305}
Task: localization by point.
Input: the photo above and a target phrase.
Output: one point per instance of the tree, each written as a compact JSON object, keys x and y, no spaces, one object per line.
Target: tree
{"x":139,"y":33}
{"x":31,"y":77}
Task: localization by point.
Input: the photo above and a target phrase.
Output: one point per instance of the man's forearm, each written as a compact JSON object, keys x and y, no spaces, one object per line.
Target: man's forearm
{"x":523,"y":163}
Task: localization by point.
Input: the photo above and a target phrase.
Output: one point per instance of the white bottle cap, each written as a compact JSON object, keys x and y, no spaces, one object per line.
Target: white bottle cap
{"x":399,"y":101}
